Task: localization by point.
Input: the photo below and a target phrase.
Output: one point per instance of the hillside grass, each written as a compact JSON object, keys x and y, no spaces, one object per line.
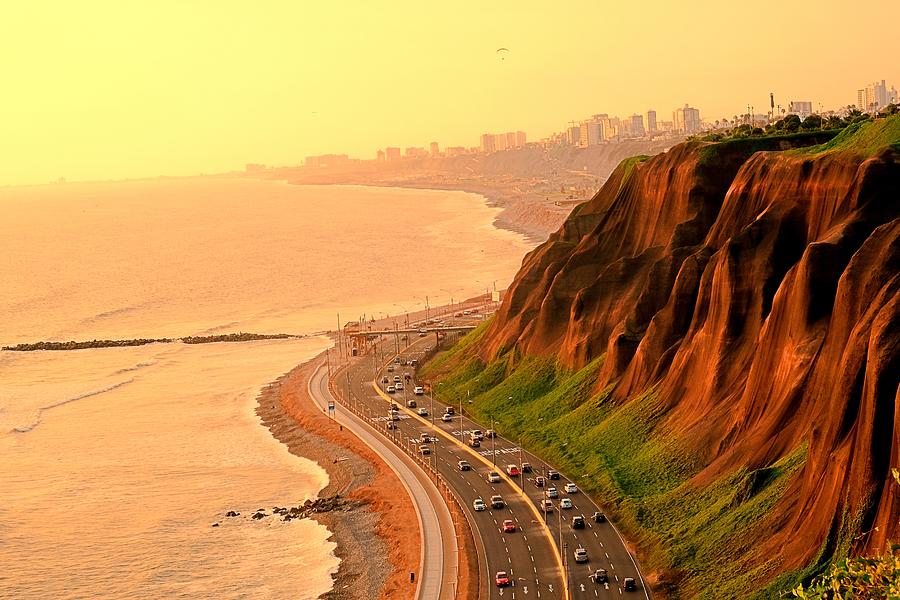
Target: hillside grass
{"x":866,"y":138}
{"x":623,"y":455}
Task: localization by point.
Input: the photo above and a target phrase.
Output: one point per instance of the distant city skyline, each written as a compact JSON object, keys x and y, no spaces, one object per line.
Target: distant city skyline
{"x":94,"y":90}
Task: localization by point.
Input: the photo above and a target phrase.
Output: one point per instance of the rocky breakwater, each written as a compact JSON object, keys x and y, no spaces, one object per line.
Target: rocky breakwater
{"x":302,"y":511}
{"x":753,"y":288}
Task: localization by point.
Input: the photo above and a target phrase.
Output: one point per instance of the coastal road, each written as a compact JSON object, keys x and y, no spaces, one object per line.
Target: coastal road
{"x":436,"y":577}
{"x":529,"y":554}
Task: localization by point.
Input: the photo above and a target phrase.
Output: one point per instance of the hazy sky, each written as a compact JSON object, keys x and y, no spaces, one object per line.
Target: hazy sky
{"x":96,"y":89}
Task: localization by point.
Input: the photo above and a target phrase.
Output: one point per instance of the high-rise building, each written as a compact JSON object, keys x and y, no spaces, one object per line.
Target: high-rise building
{"x":637,"y":126}
{"x":435,"y":150}
{"x":500,"y":141}
{"x":686,"y":120}
{"x":595,"y":132}
{"x":876,"y":96}
{"x":651,"y":121}
{"x":510,"y":139}
{"x":392,"y":154}
{"x":801,"y":108}
{"x":379,"y":156}
{"x":487,"y":143}
{"x":520,"y":138}
{"x":573,"y":135}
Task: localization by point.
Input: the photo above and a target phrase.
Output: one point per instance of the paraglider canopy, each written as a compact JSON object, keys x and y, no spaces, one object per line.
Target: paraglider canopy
{"x":502,"y":52}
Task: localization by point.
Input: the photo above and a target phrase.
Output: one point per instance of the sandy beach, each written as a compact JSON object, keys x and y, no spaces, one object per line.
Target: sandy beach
{"x":378,"y":543}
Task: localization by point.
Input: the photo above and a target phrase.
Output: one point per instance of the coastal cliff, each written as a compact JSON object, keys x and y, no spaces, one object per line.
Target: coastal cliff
{"x":725,"y":320}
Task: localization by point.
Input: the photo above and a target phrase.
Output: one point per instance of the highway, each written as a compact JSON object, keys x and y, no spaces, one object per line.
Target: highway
{"x":436,"y":577}
{"x":529,"y":555}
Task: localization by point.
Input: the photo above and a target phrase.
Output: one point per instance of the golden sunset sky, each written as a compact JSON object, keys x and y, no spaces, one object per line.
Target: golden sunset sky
{"x":96,"y":89}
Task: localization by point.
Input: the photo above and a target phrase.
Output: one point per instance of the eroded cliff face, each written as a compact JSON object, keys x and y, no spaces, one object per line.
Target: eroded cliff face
{"x":760,"y":292}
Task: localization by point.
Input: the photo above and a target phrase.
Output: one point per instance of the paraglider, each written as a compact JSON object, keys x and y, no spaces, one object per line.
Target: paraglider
{"x":502,"y":53}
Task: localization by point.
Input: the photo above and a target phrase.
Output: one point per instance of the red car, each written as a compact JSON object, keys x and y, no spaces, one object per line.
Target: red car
{"x":509,"y":526}
{"x":502,"y":579}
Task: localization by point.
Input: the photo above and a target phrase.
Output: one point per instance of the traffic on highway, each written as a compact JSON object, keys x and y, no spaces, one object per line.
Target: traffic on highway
{"x":536,"y":533}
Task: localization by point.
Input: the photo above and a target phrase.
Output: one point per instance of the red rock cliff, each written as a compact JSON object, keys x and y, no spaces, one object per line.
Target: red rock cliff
{"x":759,"y":291}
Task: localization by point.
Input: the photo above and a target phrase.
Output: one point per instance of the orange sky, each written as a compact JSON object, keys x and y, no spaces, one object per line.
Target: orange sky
{"x":97,"y":89}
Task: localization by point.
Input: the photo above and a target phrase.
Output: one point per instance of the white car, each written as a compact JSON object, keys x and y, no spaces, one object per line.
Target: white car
{"x":446,"y":418}
{"x":422,"y":412}
{"x":398,"y":386}
{"x":571,"y":488}
{"x":552,"y":493}
{"x":419,"y":390}
{"x":565,"y":503}
{"x":478,"y":504}
{"x":493,"y":477}
{"x":391,"y":389}
{"x":581,"y":555}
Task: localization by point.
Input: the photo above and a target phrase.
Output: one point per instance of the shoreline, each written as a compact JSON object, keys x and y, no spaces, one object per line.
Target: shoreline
{"x":377,"y":543}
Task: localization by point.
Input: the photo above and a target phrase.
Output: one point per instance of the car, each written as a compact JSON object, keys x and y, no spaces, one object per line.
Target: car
{"x":581,"y":555}
{"x":600,"y":576}
{"x":390,"y":424}
{"x":526,"y":467}
{"x":565,"y":503}
{"x":427,"y":437}
{"x":449,"y":411}
{"x":552,"y":493}
{"x":422,"y":334}
{"x":422,"y":412}
{"x":396,"y":378}
{"x":497,"y":501}
{"x":418,"y":390}
{"x":390,"y":368}
{"x":546,"y":506}
{"x":404,"y":337}
{"x":424,"y":450}
{"x":509,"y":526}
{"x":629,"y":585}
{"x":394,"y":407}
{"x":599,"y":517}
{"x":490,"y":433}
{"x":391,"y":389}
{"x":397,"y":360}
{"x":512,"y":470}
{"x":398,"y":386}
{"x":571,"y":488}
{"x":465,"y":312}
{"x":385,"y":379}
{"x":551,"y":474}
{"x":476,"y":433}
{"x":475,"y":442}
{"x":578,"y":522}
{"x":539,"y":481}
{"x":446,"y":418}
{"x":478,"y":504}
{"x":501,"y":579}
{"x":464,"y":465}
{"x":410,"y":403}
{"x":413,"y":362}
{"x":493,"y":477}
{"x":392,"y":416}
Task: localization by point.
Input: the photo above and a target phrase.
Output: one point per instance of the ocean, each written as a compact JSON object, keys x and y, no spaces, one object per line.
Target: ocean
{"x":117,"y":461}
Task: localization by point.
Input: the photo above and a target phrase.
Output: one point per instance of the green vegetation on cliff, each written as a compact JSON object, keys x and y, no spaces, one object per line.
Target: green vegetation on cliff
{"x":695,"y":535}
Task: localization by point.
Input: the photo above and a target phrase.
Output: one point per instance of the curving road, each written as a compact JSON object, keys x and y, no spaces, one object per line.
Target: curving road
{"x":540,"y":554}
{"x":438,"y":565}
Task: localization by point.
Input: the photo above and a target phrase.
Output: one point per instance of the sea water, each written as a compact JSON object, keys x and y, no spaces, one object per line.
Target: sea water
{"x":116,"y":462}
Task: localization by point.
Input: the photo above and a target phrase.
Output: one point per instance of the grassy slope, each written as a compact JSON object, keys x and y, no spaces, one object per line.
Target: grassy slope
{"x":866,"y":138}
{"x":622,"y":455}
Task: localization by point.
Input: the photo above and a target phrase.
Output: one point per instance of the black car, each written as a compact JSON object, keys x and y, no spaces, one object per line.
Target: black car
{"x":629,"y":585}
{"x":551,"y":474}
{"x":600,"y":576}
{"x":599,"y":517}
{"x":578,"y":522}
